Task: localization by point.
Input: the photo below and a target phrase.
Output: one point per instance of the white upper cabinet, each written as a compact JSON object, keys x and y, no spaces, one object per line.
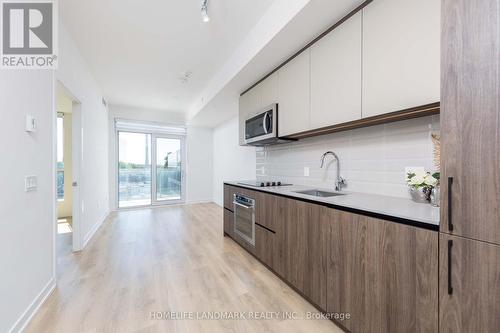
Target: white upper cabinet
{"x":269,"y":90}
{"x":294,"y":100}
{"x":401,"y":55}
{"x":336,"y":75}
{"x":382,"y":59}
{"x":250,"y":102}
{"x":254,"y":101}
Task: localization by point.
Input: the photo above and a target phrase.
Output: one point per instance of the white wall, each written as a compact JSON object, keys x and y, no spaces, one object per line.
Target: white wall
{"x":199,"y":144}
{"x":27,"y":219}
{"x":231,"y":161}
{"x":75,"y":76}
{"x":134,"y":113}
{"x":198,"y":149}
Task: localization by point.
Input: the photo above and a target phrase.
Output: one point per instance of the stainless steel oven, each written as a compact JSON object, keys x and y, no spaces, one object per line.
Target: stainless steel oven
{"x":244,"y":217}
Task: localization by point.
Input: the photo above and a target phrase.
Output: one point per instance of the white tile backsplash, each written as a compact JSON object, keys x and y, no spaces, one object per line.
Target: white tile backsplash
{"x":372,"y":159}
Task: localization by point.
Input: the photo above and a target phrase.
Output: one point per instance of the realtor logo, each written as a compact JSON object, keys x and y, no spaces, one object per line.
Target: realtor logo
{"x":29,"y":38}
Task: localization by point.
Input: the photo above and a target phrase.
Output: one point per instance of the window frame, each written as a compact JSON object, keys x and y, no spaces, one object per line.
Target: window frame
{"x":60,"y":169}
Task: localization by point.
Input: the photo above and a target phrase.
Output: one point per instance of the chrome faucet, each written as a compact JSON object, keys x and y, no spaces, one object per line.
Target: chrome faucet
{"x":339,"y":181}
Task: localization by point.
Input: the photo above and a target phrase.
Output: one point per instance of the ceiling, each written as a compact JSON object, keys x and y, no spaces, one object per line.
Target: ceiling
{"x":141,"y":51}
{"x":312,"y":19}
{"x":141,"y":54}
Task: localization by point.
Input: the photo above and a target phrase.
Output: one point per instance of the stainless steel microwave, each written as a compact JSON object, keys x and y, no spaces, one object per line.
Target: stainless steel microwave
{"x":262,"y":129}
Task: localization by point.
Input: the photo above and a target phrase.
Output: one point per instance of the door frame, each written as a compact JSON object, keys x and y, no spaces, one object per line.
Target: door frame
{"x":154,"y":199}
{"x":154,"y":135}
{"x":77,"y":160}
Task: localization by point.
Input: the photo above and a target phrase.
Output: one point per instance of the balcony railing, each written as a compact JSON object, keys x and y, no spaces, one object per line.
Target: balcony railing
{"x":135,"y":184}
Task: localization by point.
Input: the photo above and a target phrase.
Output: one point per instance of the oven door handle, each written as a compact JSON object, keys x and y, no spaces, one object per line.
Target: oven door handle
{"x":241,"y":205}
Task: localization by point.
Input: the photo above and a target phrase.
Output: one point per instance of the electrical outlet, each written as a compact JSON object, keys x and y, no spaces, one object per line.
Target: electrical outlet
{"x":306,"y":171}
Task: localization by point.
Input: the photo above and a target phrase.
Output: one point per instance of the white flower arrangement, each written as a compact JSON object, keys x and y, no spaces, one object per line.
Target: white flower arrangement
{"x":422,"y":179}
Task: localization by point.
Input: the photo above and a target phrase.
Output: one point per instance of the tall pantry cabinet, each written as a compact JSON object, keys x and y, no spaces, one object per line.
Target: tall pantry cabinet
{"x":470,"y":197}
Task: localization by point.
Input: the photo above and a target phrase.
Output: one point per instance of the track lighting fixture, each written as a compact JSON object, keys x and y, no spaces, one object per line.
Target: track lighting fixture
{"x":204,"y":11}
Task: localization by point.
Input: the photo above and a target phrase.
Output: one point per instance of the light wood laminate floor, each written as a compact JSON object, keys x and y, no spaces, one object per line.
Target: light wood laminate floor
{"x":168,"y":259}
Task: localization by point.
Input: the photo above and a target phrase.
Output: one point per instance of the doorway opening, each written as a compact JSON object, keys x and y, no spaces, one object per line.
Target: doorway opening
{"x":67,"y":152}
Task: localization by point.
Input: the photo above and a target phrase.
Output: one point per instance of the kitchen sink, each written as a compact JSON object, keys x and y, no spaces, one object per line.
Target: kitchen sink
{"x":320,"y":193}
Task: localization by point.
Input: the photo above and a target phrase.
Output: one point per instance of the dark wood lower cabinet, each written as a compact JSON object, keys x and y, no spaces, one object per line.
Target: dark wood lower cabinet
{"x":469,"y":288}
{"x":383,"y":274}
{"x":228,"y":222}
{"x":279,"y":248}
{"x":306,"y":248}
{"x":228,"y":196}
{"x":264,"y":245}
{"x":267,"y":210}
{"x":297,"y":246}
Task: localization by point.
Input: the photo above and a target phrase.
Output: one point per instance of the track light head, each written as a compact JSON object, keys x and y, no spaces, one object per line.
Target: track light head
{"x":204,"y":11}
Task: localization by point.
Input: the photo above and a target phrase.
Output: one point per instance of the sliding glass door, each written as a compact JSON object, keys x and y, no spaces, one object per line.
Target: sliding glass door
{"x":142,"y":182}
{"x":134,"y":169}
{"x":168,"y":182}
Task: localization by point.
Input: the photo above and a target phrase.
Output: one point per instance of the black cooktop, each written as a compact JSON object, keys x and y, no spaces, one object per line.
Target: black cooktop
{"x":263,"y":183}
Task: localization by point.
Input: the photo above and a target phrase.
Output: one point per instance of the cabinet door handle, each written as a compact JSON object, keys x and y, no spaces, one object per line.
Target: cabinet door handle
{"x":450,"y":221}
{"x":450,"y":286}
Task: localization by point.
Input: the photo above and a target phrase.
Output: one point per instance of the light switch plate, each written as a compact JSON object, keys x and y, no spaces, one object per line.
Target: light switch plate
{"x":30,"y":183}
{"x":30,"y":123}
{"x":306,"y":171}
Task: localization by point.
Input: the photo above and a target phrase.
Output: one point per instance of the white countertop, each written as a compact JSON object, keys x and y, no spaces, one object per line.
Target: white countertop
{"x":372,"y":203}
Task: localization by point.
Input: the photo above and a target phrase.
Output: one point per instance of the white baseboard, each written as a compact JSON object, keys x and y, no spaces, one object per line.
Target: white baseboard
{"x":93,"y":231}
{"x":161,"y":206}
{"x":33,"y":308}
{"x":198,"y":202}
